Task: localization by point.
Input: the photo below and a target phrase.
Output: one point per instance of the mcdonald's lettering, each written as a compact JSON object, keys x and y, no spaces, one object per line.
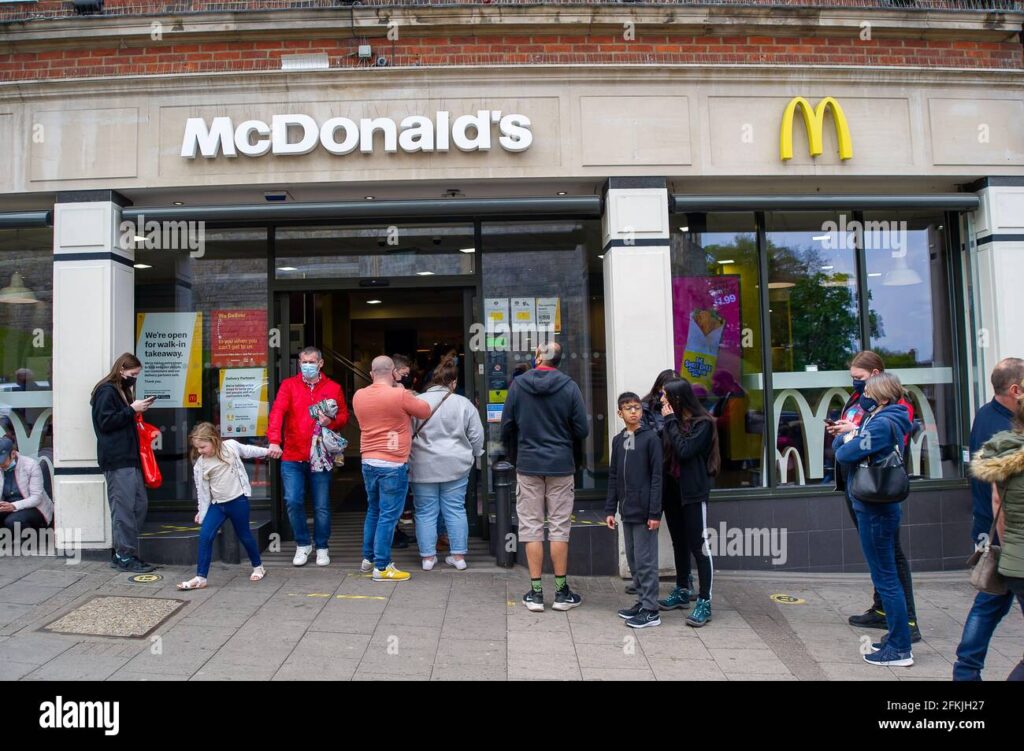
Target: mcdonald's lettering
{"x":814,"y":123}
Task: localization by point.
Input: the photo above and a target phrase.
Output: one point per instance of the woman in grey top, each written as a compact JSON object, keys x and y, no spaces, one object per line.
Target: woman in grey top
{"x":444,"y":448}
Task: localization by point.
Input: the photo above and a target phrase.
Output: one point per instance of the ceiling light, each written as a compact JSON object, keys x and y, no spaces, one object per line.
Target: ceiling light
{"x":143,"y":266}
{"x":684,"y":229}
{"x":373,"y":302}
{"x":467,"y":250}
{"x":727,"y":261}
{"x":780,"y":285}
{"x":424,"y":273}
{"x":286,"y":268}
{"x":17,"y":292}
{"x":368,"y":198}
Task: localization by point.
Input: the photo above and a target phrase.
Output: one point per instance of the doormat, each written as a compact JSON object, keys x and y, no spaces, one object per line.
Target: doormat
{"x":126,"y":617}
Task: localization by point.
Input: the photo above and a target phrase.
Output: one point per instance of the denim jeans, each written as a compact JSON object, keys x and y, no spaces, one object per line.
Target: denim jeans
{"x":386,"y":488}
{"x":238,"y":512}
{"x":451,"y":498}
{"x":878,"y":525}
{"x":982,"y":620}
{"x":295,"y":476}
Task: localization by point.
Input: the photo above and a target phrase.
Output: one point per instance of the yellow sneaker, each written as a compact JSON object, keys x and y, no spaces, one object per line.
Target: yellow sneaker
{"x":390,"y":574}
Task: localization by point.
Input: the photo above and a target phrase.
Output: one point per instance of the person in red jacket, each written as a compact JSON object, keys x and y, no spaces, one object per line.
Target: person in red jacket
{"x":291,"y":426}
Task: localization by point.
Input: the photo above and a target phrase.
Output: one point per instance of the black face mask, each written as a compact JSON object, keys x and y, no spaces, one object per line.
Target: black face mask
{"x":858,"y":385}
{"x":406,"y":381}
{"x":129,"y":381}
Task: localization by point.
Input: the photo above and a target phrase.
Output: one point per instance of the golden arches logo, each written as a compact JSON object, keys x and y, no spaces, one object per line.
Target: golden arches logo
{"x":814,"y":123}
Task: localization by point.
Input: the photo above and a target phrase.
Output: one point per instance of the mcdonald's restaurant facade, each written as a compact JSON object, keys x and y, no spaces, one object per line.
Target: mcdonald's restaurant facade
{"x":752,"y":227}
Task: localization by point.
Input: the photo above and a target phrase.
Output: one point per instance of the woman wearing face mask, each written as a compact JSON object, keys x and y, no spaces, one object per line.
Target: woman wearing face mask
{"x":863,"y":366}
{"x":114,"y":407}
{"x":884,"y":427}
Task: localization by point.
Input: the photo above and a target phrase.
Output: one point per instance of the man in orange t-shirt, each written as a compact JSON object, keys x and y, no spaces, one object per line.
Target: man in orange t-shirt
{"x":384,"y":414}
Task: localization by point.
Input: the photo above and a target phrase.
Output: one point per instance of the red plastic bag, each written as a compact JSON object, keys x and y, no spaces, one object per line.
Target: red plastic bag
{"x":147,"y":434}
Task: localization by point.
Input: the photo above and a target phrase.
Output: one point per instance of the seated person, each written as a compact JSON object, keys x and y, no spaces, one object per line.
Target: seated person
{"x":23,"y":500}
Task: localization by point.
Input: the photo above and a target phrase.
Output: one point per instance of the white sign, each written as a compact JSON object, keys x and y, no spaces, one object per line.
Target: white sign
{"x":524,"y":313}
{"x":170,"y":347}
{"x":496,"y":312}
{"x":243,"y":402}
{"x":301,"y":134}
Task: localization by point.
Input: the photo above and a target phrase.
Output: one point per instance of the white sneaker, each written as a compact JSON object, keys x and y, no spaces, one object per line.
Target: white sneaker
{"x":366,"y":566}
{"x":428,"y":563}
{"x":459,"y":563}
{"x":322,"y":558}
{"x":302,"y":555}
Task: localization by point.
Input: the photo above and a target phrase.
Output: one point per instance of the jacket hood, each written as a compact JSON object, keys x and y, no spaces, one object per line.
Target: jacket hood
{"x":896,"y":414}
{"x":1001,"y":457}
{"x":542,"y":382}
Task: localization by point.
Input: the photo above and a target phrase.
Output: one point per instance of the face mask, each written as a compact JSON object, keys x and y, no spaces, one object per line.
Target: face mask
{"x":858,"y":385}
{"x":406,"y":381}
{"x":129,"y":381}
{"x":867,"y":403}
{"x":455,"y":361}
{"x":309,"y":370}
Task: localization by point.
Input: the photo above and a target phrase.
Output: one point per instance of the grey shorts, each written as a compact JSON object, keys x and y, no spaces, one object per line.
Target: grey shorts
{"x":539,"y":496}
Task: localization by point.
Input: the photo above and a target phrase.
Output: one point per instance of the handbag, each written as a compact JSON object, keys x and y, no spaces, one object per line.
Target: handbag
{"x":883,"y":482}
{"x":150,"y":469}
{"x":984,"y":563}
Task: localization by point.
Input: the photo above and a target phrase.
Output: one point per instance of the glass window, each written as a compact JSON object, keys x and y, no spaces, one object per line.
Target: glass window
{"x":908,"y":288}
{"x":375,"y":251}
{"x":26,"y":343}
{"x":717,"y":331}
{"x":226,"y":287}
{"x":540,"y":280}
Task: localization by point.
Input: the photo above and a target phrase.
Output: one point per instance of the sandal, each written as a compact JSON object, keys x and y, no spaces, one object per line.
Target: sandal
{"x":257,"y":573}
{"x":196,"y":582}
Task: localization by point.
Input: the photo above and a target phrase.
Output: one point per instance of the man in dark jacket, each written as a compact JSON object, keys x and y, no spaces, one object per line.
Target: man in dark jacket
{"x":634,"y":487}
{"x":987,"y":610}
{"x":544,"y":416}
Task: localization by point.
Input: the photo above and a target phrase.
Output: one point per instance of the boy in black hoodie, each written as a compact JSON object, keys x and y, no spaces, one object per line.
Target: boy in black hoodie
{"x":634,"y":487}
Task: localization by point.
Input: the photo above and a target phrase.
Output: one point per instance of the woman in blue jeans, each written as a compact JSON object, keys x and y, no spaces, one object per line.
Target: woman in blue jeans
{"x":444,"y":448}
{"x":886,"y":426}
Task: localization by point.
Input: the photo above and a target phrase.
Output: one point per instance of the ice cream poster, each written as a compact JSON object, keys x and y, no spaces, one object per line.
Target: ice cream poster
{"x":706,"y":312}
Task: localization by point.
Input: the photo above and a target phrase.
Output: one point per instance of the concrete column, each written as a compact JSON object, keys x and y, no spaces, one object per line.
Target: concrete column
{"x":999,"y":265}
{"x":638,"y":299}
{"x":93,"y":323}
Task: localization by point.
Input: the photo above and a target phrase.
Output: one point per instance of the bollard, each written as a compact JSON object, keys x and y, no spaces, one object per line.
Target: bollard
{"x":503,"y":485}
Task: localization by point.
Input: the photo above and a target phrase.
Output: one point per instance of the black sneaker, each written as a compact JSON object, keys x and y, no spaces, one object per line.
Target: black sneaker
{"x":644,"y":618}
{"x":631,"y":589}
{"x":871,"y":618}
{"x":631,"y":612}
{"x":534,"y":601}
{"x":131,"y":564}
{"x":566,"y":599}
{"x":915,"y":632}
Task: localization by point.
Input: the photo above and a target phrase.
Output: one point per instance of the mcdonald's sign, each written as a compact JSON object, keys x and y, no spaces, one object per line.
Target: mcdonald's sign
{"x":814,"y":123}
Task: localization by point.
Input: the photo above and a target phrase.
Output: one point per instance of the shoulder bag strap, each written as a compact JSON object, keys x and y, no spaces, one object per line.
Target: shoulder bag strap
{"x":417,"y":432}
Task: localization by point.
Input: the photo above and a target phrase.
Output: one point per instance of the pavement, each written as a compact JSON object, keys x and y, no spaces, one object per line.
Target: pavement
{"x":336,"y":624}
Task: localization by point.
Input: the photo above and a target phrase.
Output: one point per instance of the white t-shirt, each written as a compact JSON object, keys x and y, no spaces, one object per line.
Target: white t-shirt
{"x":224,"y":483}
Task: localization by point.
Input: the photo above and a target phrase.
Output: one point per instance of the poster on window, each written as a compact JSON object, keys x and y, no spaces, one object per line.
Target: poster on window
{"x":238,"y":338}
{"x":706,"y":313}
{"x":170,"y":347}
{"x":524,"y":313}
{"x":243,"y":402}
{"x":549,"y":314}
{"x":496,"y":311}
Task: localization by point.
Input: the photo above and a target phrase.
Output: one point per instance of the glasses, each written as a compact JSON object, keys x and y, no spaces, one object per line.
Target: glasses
{"x":632,"y":408}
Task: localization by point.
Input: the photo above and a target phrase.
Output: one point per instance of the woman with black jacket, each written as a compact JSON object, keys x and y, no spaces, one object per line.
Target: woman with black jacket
{"x":114,"y":407}
{"x":690,"y":440}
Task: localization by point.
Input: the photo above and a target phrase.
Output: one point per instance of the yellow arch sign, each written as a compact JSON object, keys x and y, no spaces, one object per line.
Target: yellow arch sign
{"x":814,"y":123}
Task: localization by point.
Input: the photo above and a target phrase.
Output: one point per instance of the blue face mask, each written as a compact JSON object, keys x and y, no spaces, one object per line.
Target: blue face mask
{"x":309,"y":370}
{"x":867,"y":403}
{"x":858,"y":385}
{"x":455,"y":361}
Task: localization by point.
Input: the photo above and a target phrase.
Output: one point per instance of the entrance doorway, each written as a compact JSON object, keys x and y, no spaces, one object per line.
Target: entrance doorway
{"x":352,"y":326}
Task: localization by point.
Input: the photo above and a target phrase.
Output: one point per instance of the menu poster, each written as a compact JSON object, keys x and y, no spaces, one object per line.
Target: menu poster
{"x":170,"y":347}
{"x":706,"y":311}
{"x":243,"y":402}
{"x":238,"y":338}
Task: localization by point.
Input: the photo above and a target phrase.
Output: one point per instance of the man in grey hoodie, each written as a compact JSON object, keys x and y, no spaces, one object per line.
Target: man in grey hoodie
{"x":543,"y":418}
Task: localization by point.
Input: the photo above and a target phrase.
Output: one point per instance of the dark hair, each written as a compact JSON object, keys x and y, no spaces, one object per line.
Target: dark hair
{"x":401,"y":361}
{"x":1008,"y":372}
{"x":445,"y":374}
{"x":654,"y":394}
{"x":127,"y":361}
{"x":683,"y":401}
{"x":868,"y":360}
{"x":626,"y":397}
{"x":311,"y":350}
{"x":441,"y":352}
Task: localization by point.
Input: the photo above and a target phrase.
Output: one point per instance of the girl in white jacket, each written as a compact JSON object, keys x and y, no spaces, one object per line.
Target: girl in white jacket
{"x":222,"y":486}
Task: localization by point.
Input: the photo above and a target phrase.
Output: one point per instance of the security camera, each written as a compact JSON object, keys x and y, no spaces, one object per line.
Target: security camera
{"x":436,"y":240}
{"x":382,"y":62}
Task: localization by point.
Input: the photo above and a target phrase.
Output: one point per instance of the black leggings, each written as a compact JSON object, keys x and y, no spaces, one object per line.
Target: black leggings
{"x":902,"y":570}
{"x":686,"y":524}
